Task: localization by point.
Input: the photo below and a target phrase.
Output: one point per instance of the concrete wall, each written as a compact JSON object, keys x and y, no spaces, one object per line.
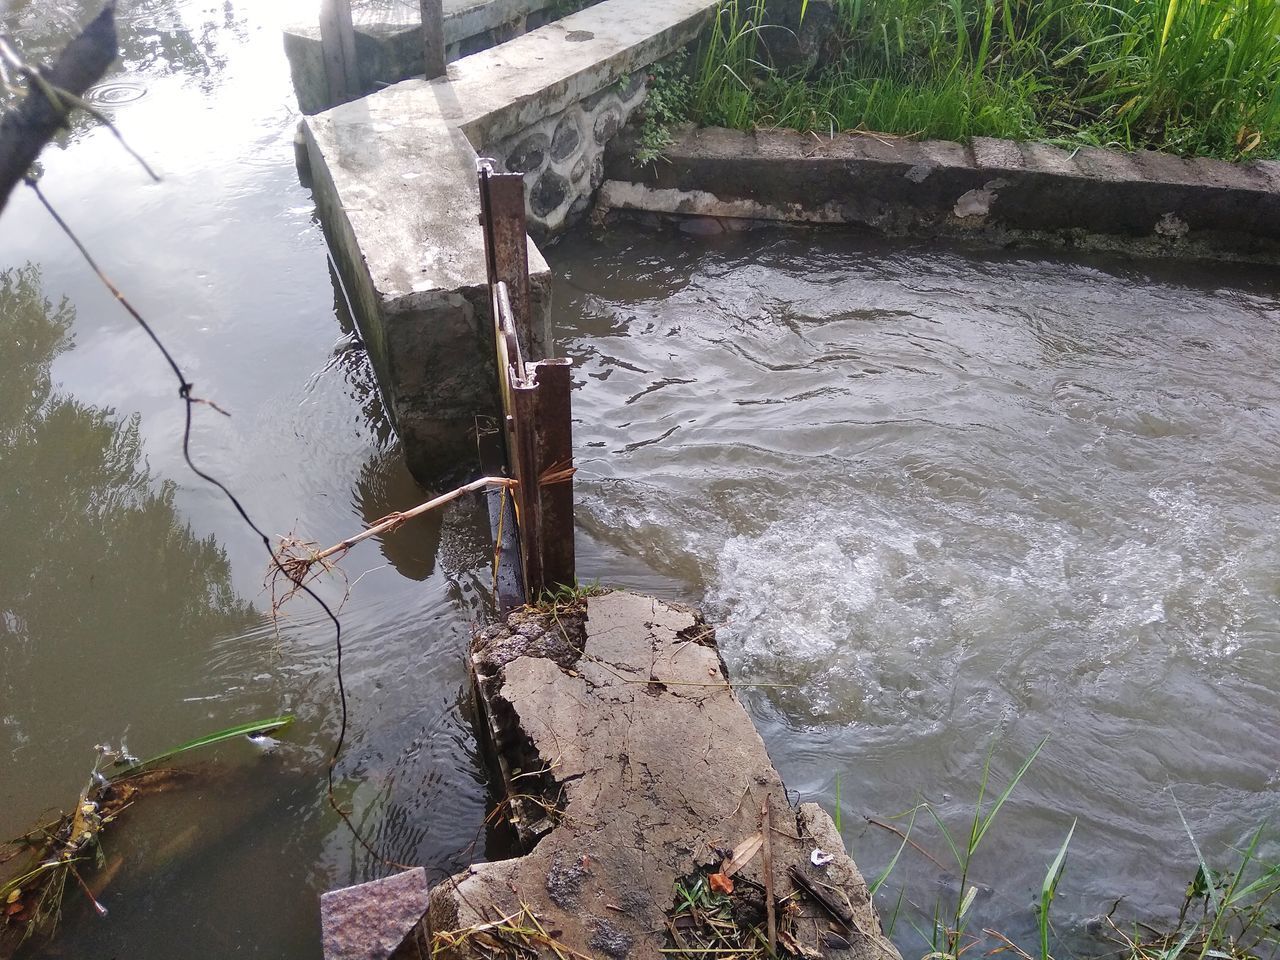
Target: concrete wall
{"x":562,"y":156}
{"x":1142,"y":201}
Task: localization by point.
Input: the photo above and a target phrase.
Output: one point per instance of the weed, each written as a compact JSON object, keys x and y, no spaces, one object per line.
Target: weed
{"x":1226,"y":915}
{"x":565,"y":597}
{"x":1195,"y":78}
{"x":665,"y":106}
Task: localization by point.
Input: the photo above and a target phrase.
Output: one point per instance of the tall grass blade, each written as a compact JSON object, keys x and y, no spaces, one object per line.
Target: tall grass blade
{"x":231,"y":733}
{"x":1049,"y":890}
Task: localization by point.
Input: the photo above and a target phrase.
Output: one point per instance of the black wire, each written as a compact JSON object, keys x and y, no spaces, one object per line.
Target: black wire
{"x":184,"y":391}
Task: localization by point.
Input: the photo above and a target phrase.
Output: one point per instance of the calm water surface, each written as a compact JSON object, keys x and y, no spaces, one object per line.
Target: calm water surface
{"x":942,"y":500}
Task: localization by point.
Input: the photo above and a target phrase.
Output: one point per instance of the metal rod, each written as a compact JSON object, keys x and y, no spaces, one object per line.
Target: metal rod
{"x":528,"y":494}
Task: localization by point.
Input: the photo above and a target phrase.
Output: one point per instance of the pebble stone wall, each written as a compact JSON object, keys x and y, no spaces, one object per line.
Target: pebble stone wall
{"x":562,"y":156}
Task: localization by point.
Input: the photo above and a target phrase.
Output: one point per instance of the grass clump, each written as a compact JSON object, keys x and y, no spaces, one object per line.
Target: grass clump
{"x":1227,"y":914}
{"x":1193,"y":77}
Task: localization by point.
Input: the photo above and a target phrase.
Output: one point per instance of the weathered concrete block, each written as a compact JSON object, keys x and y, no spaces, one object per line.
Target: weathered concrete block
{"x":629,"y":760}
{"x":379,"y":920}
{"x":995,"y":188}
{"x":394,"y":180}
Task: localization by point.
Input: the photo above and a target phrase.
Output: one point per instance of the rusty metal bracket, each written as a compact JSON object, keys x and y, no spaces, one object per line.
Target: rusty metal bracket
{"x":536,"y":407}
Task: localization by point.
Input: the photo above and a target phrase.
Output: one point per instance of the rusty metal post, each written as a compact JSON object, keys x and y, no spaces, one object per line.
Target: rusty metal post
{"x":338,"y":47}
{"x":553,"y":432}
{"x":537,"y":417}
{"x":507,"y":245}
{"x":433,"y":38}
{"x":524,"y":456}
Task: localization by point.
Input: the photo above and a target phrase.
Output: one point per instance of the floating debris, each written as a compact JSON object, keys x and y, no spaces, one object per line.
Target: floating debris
{"x":32,"y":887}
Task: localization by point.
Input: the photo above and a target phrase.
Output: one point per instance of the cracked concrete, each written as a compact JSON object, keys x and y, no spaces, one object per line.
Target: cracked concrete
{"x":646,"y":767}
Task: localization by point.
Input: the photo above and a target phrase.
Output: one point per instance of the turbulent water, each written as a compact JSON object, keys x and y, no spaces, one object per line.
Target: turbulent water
{"x":946,"y":502}
{"x":940,"y":501}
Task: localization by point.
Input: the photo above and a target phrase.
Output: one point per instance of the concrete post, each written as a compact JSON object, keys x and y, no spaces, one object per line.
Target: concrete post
{"x":433,"y":38}
{"x":338,"y":46}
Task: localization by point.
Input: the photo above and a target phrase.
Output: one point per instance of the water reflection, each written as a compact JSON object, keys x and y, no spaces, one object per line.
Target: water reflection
{"x":157,"y":37}
{"x":103,"y":552}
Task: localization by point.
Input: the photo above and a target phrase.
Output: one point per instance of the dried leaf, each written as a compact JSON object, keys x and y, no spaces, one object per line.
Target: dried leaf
{"x":14,"y":894}
{"x":720,"y":883}
{"x":797,"y":948}
{"x":743,"y":854}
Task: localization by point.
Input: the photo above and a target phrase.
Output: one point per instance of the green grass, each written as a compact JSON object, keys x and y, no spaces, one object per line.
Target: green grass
{"x":1227,"y":914}
{"x":1194,"y":77}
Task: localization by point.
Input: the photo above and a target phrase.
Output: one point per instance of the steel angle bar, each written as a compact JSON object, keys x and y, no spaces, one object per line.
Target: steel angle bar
{"x":553,"y":441}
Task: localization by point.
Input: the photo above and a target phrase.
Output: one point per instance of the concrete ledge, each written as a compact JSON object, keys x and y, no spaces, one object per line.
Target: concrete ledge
{"x":993,"y":187}
{"x":631,"y":763}
{"x":394,"y":178}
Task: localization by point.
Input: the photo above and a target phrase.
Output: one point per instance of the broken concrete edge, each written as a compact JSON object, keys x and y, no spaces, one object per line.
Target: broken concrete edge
{"x":618,"y":724}
{"x":1141,"y":202}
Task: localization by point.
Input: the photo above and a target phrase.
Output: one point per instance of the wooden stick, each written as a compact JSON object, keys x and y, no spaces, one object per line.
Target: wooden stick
{"x":393,"y":520}
{"x":771,"y":917}
{"x":898,"y":832}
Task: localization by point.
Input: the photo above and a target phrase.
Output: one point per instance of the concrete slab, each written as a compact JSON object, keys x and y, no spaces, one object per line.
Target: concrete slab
{"x":394,"y":178}
{"x":627,"y":734}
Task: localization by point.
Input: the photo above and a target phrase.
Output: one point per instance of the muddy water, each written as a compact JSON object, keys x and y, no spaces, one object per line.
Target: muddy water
{"x":950,"y":502}
{"x":940,"y":500}
{"x":131,"y":600}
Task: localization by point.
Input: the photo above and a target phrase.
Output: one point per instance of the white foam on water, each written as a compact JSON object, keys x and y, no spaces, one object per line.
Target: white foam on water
{"x":872,"y":616}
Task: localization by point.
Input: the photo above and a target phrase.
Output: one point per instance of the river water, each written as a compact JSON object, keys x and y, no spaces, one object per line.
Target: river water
{"x":941,"y":501}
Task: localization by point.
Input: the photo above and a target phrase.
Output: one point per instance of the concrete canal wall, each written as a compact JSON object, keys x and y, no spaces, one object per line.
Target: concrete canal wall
{"x":394,"y":178}
{"x":1142,"y":202}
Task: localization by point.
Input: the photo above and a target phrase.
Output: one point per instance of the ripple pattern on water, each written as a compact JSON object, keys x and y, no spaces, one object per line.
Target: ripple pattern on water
{"x":116,"y":92}
{"x":935,"y":497}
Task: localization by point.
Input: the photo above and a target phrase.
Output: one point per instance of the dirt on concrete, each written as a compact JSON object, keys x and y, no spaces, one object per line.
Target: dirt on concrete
{"x":631,"y":766}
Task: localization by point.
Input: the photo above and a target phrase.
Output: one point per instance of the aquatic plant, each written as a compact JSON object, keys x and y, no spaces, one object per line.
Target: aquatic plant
{"x":32,"y":887}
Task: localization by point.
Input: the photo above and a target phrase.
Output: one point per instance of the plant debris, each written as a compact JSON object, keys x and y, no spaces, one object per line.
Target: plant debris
{"x":32,"y":886}
{"x":709,"y":919}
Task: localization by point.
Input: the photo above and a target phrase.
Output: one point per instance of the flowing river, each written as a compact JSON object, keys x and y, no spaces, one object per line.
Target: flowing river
{"x":943,"y":502}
